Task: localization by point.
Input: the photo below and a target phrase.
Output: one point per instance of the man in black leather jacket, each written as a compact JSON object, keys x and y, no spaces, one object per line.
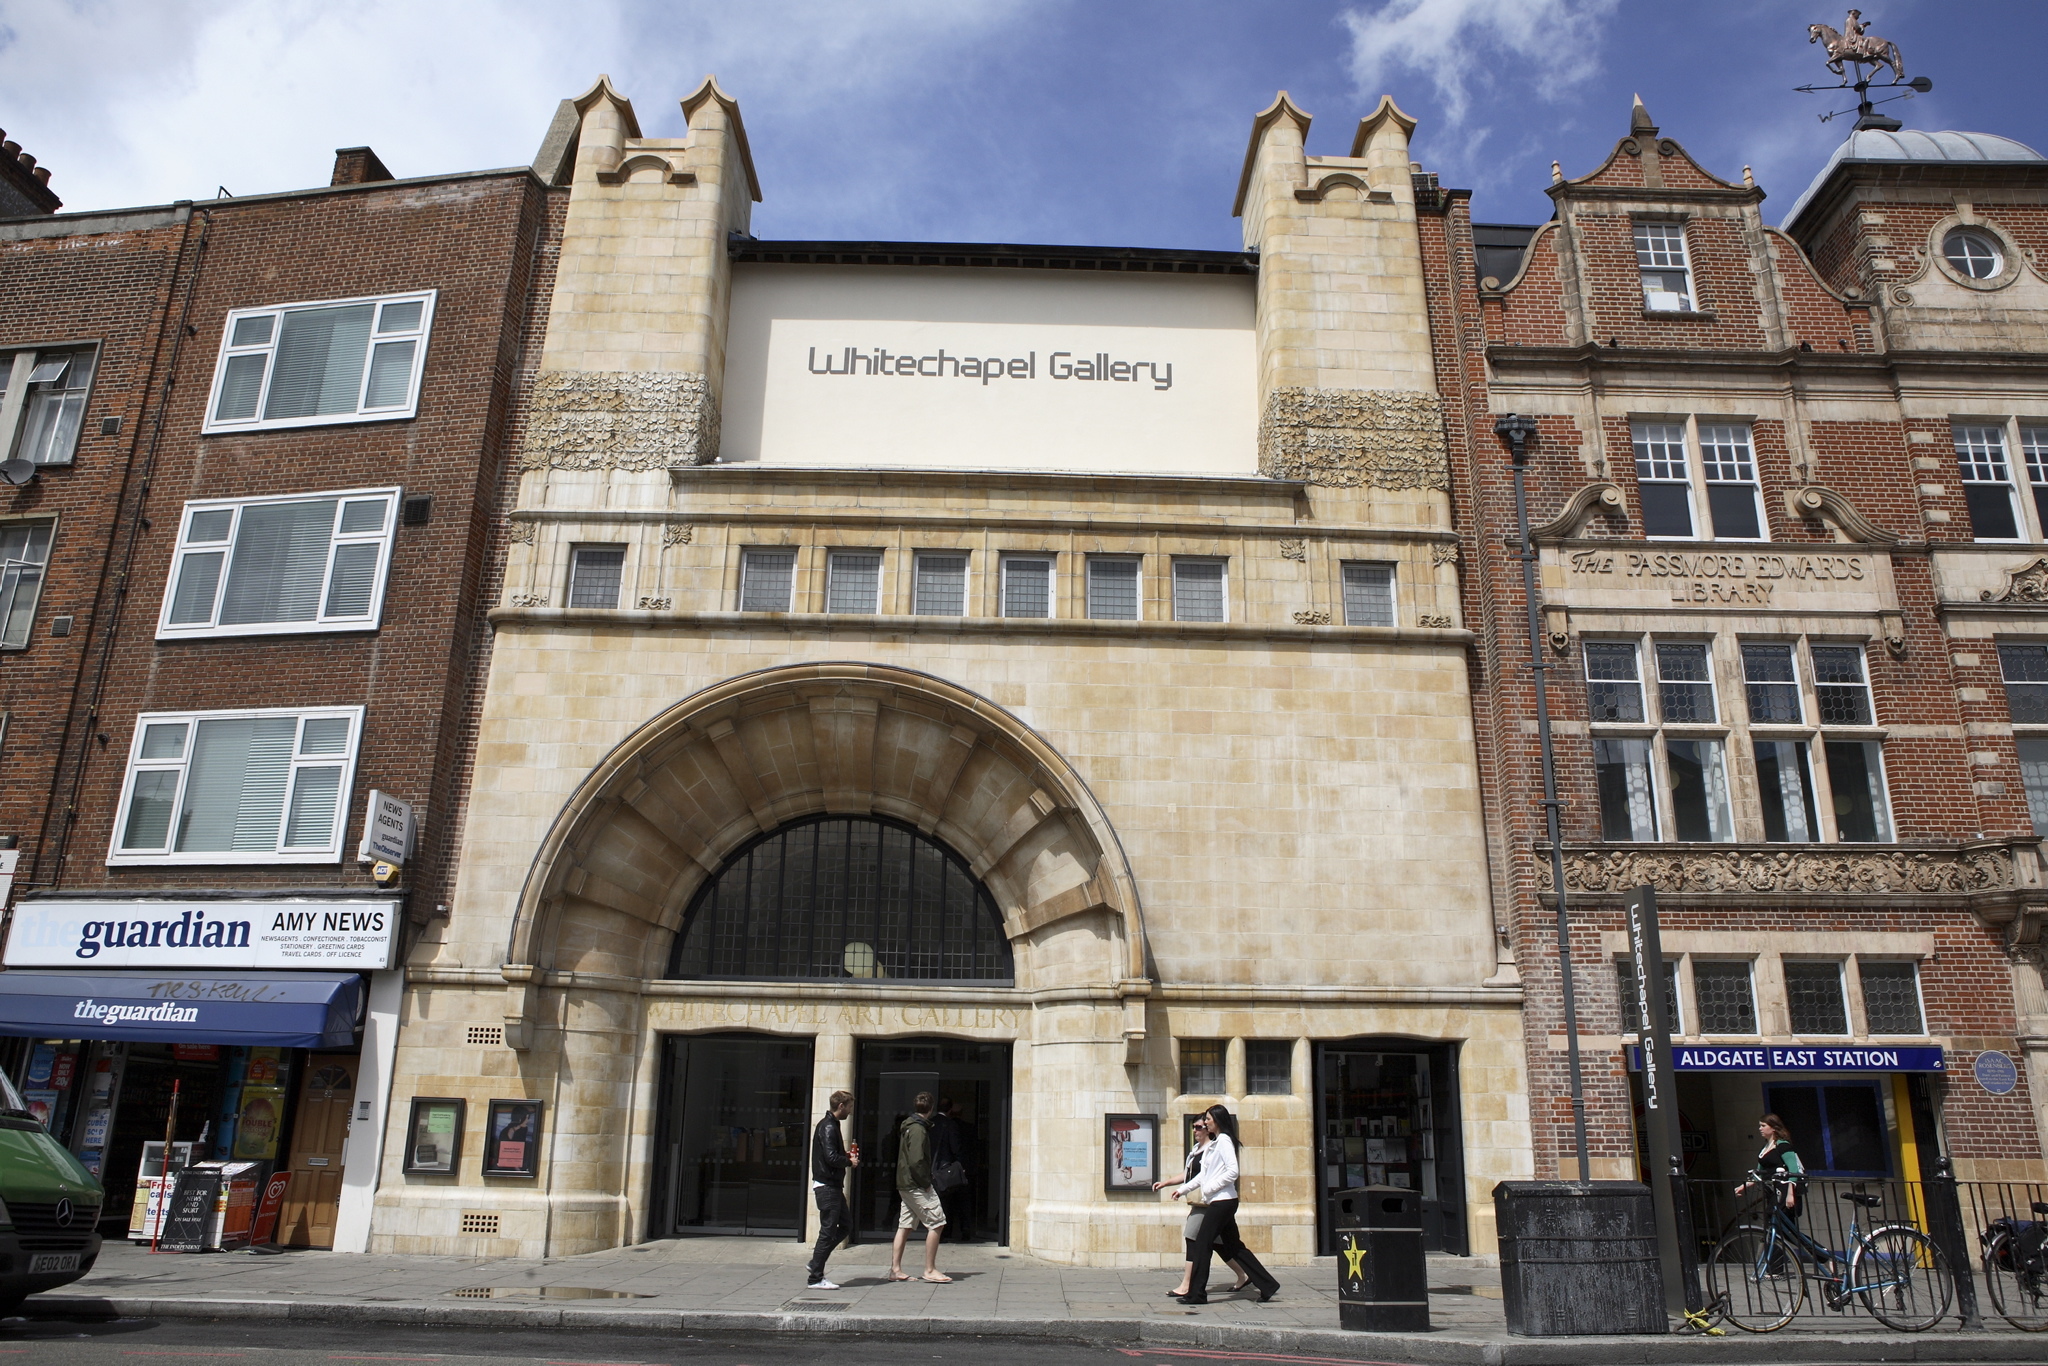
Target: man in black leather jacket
{"x":829,"y":1163}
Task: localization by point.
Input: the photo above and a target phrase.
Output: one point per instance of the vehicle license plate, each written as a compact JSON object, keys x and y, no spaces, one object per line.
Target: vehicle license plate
{"x":52,"y":1261}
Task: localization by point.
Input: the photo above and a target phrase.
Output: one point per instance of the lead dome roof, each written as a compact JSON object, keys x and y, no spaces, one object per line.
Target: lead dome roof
{"x":1910,"y":144}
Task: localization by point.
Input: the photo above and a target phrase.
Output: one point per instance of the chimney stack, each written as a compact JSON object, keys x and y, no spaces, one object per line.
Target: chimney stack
{"x":24,"y":186}
{"x":358,"y":166}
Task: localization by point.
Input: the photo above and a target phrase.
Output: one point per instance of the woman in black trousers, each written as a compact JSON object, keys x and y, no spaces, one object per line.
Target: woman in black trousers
{"x":1217,"y":1181}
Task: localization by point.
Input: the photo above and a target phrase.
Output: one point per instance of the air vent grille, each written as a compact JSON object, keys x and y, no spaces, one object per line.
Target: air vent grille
{"x":487,"y":1036}
{"x":486,"y":1224}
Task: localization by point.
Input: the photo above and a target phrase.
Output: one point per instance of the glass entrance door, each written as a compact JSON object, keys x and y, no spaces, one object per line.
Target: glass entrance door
{"x":1387,"y":1115}
{"x":735,"y":1135}
{"x":975,"y":1078}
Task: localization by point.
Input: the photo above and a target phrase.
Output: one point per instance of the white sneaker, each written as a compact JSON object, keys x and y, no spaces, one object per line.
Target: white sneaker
{"x":822,"y":1285}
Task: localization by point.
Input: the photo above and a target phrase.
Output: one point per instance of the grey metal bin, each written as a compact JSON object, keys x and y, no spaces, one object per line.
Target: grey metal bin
{"x":1579,"y":1258}
{"x":1382,"y":1274}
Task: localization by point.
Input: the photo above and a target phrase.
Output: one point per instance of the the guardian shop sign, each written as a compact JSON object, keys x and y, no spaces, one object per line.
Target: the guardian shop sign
{"x":359,"y":935}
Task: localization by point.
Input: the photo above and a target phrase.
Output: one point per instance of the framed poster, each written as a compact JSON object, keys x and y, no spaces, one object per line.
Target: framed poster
{"x":512,"y":1138}
{"x":433,"y":1140}
{"x":1130,"y":1152}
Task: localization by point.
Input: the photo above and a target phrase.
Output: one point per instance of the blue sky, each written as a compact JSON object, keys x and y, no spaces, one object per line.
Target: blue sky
{"x":1118,"y":122}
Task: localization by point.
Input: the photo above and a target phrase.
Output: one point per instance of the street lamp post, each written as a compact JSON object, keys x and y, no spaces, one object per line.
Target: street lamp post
{"x":1518,"y":431}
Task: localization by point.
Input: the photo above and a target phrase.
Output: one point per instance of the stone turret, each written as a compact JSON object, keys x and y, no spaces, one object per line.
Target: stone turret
{"x":1347,"y":382}
{"x":635,"y":352}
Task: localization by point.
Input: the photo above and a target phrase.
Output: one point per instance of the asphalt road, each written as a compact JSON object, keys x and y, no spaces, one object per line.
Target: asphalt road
{"x":187,"y":1342}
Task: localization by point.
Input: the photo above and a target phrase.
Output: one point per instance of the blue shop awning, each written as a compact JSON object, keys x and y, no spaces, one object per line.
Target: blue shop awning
{"x":283,"y":1009}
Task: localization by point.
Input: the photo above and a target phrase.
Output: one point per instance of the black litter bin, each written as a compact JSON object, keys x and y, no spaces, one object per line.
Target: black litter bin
{"x":1382,"y":1275}
{"x":1579,"y":1258}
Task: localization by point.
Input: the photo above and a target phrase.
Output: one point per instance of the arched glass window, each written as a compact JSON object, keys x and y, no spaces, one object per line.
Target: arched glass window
{"x":844,"y":897}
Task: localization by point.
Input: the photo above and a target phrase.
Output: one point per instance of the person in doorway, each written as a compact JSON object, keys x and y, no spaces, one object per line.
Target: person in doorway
{"x":830,"y":1161}
{"x":921,"y":1207}
{"x":1217,"y":1182}
{"x":951,"y":1140}
{"x":1199,"y":1136}
{"x":1778,"y":1167}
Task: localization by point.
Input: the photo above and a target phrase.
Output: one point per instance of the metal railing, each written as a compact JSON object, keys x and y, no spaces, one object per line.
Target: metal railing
{"x":1991,"y":1238}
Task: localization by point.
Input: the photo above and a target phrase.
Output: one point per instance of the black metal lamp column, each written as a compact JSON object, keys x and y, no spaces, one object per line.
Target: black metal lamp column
{"x":1519,"y":431}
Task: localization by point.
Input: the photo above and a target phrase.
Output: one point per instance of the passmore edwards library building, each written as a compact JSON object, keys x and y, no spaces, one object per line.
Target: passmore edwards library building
{"x":1032,"y":675}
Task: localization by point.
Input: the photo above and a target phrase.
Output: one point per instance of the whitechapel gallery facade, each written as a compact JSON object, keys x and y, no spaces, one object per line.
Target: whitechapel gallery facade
{"x":1028,"y":674}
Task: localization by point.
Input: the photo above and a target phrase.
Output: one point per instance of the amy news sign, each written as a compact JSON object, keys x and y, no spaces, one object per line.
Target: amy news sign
{"x":358,"y":936}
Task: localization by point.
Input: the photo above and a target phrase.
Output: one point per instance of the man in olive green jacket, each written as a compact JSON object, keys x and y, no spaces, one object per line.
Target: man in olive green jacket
{"x":921,"y":1207}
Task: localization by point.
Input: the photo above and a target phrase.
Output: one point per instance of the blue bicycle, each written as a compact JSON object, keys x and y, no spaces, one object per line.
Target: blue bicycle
{"x":1758,"y":1274}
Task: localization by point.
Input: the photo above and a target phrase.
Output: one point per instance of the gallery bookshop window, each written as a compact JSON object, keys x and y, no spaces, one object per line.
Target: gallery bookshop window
{"x":840,"y":897}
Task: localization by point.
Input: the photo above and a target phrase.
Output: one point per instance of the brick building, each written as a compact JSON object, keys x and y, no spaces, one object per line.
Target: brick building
{"x":244,"y":571}
{"x":1790,"y":576}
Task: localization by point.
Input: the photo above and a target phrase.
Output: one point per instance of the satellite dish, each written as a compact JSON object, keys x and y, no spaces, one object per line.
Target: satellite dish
{"x":17,"y":472}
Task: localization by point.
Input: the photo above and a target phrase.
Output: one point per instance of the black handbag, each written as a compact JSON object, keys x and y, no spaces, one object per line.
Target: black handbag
{"x":948,"y":1177}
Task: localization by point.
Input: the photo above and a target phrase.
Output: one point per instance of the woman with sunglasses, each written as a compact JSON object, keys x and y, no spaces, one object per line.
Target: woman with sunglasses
{"x":1199,"y":1135}
{"x":1217,"y":1181}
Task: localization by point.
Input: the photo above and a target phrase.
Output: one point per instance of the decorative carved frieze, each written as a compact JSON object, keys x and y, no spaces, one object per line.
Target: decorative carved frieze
{"x":655,"y":604}
{"x":1346,"y":438}
{"x":1293,"y":549}
{"x":1442,"y":553}
{"x":2028,"y":584}
{"x":522,"y":533}
{"x":1818,"y":871}
{"x":620,"y":419}
{"x":1434,"y":619}
{"x":676,"y":533}
{"x":1311,"y":618}
{"x":529,"y":599}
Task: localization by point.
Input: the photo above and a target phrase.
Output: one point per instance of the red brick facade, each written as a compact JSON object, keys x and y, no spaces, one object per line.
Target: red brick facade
{"x":485,"y":243}
{"x":1787,"y":347}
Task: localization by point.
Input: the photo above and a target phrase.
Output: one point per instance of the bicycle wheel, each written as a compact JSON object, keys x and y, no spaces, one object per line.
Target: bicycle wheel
{"x":1756,"y":1280}
{"x":1902,"y":1278}
{"x":2019,"y":1295}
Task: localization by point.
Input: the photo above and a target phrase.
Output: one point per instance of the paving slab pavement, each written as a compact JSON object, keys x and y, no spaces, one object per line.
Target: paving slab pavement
{"x":753,"y":1284}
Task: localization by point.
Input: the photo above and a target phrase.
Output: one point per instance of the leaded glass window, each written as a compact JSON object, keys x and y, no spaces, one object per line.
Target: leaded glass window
{"x":847,"y":898}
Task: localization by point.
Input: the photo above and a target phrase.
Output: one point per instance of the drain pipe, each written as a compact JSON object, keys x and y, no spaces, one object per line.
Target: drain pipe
{"x":1518,"y":431}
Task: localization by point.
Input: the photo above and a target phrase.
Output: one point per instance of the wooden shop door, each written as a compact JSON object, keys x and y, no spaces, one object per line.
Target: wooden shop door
{"x":319,"y":1137}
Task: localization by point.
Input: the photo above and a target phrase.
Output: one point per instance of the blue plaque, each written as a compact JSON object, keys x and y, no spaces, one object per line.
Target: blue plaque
{"x":1996,"y":1073}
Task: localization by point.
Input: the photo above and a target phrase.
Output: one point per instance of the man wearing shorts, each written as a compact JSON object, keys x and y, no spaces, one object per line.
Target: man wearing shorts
{"x":921,"y":1207}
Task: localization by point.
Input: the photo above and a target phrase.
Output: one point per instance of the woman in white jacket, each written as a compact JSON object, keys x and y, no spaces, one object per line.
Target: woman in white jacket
{"x":1217,"y":1182}
{"x":1200,"y":1134}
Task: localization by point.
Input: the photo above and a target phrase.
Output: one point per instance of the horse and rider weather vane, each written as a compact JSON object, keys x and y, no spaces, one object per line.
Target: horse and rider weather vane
{"x":1857,"y":47}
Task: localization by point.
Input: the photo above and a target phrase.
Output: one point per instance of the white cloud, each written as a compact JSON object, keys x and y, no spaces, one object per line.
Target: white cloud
{"x":1550,"y":45}
{"x":135,"y":103}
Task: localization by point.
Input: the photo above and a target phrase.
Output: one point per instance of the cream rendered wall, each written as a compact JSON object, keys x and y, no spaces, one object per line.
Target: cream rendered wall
{"x":787,"y":319}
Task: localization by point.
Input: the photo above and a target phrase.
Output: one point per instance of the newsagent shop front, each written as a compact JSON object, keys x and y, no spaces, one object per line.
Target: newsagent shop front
{"x":254,"y":1033}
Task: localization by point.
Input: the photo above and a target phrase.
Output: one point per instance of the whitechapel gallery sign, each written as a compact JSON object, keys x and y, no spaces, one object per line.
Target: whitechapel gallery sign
{"x":352,"y":935}
{"x":990,"y":369}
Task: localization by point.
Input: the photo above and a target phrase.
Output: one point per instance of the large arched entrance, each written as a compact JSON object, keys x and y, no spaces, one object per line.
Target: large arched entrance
{"x":846,"y":899}
{"x":678,"y":908}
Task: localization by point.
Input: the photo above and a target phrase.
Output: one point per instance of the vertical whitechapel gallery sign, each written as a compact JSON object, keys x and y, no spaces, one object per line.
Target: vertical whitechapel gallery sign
{"x":1055,"y":370}
{"x":357,"y":935}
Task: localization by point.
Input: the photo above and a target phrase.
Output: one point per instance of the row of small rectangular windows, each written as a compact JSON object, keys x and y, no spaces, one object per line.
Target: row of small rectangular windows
{"x":939,"y":584}
{"x":1816,"y":997}
{"x":1268,"y":1066}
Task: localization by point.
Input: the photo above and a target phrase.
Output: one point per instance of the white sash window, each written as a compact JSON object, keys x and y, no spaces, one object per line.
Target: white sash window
{"x":302,"y":365}
{"x":267,"y":786}
{"x":270,"y":566}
